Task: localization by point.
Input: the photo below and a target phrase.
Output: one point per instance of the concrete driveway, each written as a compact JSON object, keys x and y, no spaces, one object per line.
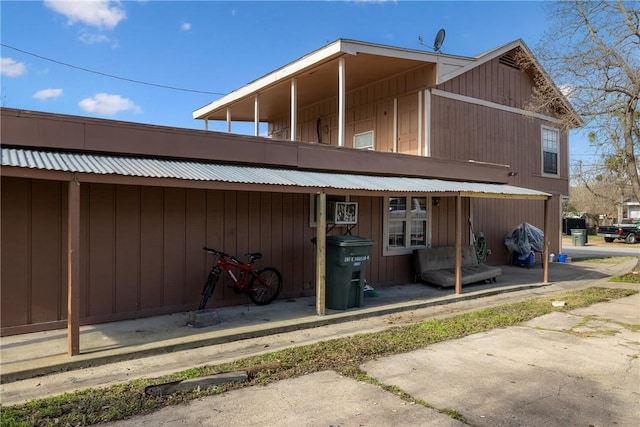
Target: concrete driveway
{"x":577,"y":368}
{"x":597,"y":248}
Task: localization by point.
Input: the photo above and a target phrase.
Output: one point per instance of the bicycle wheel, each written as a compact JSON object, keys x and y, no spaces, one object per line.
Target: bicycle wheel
{"x":265,"y":286}
{"x":209,"y":287}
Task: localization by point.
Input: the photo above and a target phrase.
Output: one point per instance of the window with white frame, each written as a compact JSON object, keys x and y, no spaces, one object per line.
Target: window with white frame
{"x":363,"y":141}
{"x":550,"y":151}
{"x":406,"y":223}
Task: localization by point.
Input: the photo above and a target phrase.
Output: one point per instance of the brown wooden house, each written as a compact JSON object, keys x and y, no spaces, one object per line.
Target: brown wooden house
{"x":105,"y":220}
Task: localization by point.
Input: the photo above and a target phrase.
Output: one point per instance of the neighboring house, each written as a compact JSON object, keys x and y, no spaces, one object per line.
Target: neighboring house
{"x":105,"y":220}
{"x":632,"y":208}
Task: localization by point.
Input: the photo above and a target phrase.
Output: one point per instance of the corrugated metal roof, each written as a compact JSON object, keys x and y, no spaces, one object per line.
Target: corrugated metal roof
{"x":197,"y":171}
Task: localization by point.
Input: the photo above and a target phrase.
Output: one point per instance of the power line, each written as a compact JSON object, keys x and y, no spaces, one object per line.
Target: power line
{"x":110,"y":75}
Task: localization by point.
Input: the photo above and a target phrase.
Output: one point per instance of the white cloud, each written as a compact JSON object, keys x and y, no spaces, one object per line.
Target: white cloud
{"x":98,"y":13}
{"x":11,"y":68}
{"x":185,"y":26}
{"x":90,"y":38}
{"x":47,"y":93}
{"x":104,"y":103}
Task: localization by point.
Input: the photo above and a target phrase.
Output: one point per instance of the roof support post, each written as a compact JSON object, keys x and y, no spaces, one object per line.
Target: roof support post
{"x":73,"y":267}
{"x":458,"y":244}
{"x":420,"y":117}
{"x":341,"y":101}
{"x":427,"y":123}
{"x":395,"y":125}
{"x":545,"y":250}
{"x":228,"y":120}
{"x":321,"y":250}
{"x":256,"y":115}
{"x":294,"y":108}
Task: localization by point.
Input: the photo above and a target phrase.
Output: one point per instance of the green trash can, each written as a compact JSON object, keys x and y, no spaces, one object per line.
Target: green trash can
{"x":579,"y":236}
{"x":347,"y":257}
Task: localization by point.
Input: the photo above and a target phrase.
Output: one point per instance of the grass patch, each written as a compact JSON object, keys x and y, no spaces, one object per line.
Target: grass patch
{"x":626,"y":278}
{"x":606,"y":260}
{"x":344,"y":355}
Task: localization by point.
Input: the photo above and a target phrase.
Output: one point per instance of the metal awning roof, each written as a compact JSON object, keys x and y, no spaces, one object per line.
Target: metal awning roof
{"x":246,"y":174}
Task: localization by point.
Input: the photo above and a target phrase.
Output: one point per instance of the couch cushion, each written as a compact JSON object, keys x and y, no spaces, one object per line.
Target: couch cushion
{"x":437,"y":266}
{"x":471,"y":274}
{"x":442,"y":257}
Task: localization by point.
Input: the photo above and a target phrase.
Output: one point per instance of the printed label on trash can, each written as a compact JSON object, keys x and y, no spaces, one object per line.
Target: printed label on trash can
{"x":357,"y":259}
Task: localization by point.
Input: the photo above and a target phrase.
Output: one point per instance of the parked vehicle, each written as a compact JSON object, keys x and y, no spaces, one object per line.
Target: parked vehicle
{"x":628,"y":230}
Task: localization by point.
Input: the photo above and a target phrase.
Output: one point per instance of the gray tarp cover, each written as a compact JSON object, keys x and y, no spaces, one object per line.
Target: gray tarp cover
{"x":524,"y":239}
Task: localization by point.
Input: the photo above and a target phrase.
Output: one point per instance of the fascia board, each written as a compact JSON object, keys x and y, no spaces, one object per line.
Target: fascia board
{"x":486,"y":57}
{"x":355,"y":47}
{"x":481,"y":60}
{"x":550,"y":81}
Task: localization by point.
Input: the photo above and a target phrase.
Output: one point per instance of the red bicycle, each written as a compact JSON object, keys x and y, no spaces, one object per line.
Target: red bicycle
{"x":262,"y":286}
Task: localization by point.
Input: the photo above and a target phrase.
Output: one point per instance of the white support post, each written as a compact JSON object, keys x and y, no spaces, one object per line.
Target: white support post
{"x":395,"y":125}
{"x":256,"y":116}
{"x":228,"y":120}
{"x":427,"y":123}
{"x":420,"y":143}
{"x":341,"y":101}
{"x":294,"y":108}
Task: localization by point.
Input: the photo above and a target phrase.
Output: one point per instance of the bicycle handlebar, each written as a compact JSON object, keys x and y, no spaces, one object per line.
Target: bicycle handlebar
{"x":221,"y":254}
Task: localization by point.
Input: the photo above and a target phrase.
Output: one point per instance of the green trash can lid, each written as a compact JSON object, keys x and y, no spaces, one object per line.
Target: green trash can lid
{"x":346,"y":241}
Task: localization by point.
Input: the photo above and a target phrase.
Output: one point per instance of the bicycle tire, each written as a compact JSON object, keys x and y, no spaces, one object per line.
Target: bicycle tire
{"x":209,"y":287}
{"x":261,"y":294}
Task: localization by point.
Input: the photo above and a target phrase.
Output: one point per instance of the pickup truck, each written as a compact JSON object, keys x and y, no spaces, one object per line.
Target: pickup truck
{"x":628,"y":230}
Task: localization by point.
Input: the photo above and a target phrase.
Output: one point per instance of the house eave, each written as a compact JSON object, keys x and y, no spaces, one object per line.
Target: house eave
{"x":403,"y":58}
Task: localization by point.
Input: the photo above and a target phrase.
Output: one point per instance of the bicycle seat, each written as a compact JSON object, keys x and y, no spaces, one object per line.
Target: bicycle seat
{"x":254,"y":256}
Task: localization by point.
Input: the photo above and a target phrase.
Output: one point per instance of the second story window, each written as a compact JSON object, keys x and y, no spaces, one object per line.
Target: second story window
{"x":550,"y":151}
{"x":363,"y":141}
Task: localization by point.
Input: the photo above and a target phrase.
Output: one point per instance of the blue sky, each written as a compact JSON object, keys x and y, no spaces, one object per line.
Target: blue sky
{"x":118,"y":60}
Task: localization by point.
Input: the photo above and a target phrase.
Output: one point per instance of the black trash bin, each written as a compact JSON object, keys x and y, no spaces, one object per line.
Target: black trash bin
{"x":347,"y":257}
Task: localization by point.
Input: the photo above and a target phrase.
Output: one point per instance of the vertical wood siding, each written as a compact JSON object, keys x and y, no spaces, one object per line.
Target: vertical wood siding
{"x":464,"y":131}
{"x":497,"y":219}
{"x":142,"y":247}
{"x":367,"y":108}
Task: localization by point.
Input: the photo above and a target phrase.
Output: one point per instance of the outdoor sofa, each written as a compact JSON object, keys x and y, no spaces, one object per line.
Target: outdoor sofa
{"x":437,"y":266}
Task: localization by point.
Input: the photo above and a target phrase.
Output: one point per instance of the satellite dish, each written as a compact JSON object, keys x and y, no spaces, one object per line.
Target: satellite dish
{"x":437,"y":43}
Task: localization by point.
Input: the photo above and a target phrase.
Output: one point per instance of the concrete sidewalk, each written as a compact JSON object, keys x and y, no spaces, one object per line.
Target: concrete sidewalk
{"x":574,"y":368}
{"x":121,"y":351}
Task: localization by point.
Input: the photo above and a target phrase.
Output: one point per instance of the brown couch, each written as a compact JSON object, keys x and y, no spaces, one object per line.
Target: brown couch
{"x":437,"y":266}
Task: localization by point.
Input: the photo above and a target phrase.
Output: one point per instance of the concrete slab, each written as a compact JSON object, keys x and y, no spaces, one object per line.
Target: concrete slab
{"x":320,"y":399}
{"x":625,"y":310}
{"x":527,"y":376}
{"x":530,"y":374}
